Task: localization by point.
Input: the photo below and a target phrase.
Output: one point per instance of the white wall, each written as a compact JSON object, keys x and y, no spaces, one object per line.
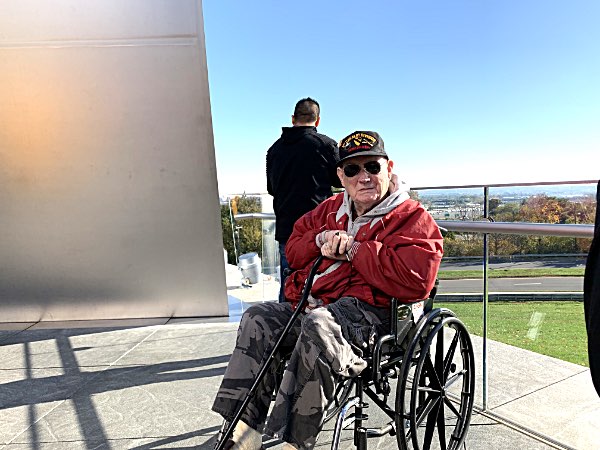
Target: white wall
{"x":108,"y":187}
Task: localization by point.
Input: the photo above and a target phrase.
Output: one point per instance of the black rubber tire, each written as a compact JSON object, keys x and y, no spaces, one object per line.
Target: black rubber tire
{"x":437,"y":388}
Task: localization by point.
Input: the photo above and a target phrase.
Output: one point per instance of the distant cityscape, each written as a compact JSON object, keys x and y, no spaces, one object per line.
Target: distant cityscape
{"x":467,"y":204}
{"x":563,"y":191}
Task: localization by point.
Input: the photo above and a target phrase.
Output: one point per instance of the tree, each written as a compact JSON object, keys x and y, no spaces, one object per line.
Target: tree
{"x":493,"y":204}
{"x":582,"y":211}
{"x":463,"y":244}
{"x":544,"y":209}
{"x":535,"y":209}
{"x":245,"y":235}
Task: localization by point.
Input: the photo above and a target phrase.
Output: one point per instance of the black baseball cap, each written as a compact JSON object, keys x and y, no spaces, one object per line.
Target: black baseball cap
{"x":361,"y":143}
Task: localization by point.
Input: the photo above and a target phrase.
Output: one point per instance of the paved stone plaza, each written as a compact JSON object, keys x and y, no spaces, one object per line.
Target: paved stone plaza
{"x":149,"y":384}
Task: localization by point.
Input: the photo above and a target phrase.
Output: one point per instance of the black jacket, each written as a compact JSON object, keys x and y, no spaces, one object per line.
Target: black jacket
{"x":301,"y":168}
{"x":591,"y":300}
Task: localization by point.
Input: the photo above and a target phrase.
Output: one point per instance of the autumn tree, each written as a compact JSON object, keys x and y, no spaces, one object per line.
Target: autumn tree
{"x":535,"y":209}
{"x":463,"y":244}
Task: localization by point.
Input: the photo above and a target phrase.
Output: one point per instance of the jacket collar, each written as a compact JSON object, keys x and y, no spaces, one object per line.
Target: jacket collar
{"x":377,"y":213}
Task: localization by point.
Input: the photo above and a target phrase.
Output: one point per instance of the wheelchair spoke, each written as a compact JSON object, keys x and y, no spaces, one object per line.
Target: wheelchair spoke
{"x":451,"y":405}
{"x":430,"y":370}
{"x":425,"y":409}
{"x":439,"y":355}
{"x":450,"y":355}
{"x":441,"y":424}
{"x":429,"y":390}
{"x":430,"y":425}
{"x":453,"y":379}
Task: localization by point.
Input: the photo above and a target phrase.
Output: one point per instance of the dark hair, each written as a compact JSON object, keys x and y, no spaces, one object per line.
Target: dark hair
{"x":307,"y":110}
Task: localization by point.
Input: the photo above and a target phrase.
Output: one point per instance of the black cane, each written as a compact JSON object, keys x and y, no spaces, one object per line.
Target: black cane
{"x":269,"y":360}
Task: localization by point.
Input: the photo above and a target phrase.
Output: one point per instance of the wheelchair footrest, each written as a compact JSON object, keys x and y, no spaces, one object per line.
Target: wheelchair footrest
{"x":390,"y":429}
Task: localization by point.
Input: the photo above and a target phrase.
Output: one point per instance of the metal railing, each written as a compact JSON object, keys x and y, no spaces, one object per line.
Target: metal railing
{"x":486,"y":227}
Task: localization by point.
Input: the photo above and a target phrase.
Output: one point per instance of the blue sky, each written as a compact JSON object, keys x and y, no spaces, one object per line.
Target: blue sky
{"x":461,"y":91}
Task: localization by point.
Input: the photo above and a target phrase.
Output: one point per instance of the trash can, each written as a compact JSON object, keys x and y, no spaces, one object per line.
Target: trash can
{"x":249,"y":263}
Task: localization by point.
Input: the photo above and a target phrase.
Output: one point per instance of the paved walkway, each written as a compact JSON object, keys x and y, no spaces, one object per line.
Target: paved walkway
{"x":149,"y":384}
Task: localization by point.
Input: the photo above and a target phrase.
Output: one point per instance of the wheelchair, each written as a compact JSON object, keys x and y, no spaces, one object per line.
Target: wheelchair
{"x":421,"y":375}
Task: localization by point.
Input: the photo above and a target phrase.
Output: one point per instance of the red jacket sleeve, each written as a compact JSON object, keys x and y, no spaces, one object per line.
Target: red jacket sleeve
{"x":301,"y":248}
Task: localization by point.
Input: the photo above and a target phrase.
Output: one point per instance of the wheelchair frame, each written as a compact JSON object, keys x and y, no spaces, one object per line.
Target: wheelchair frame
{"x":424,"y":388}
{"x":425,"y":377}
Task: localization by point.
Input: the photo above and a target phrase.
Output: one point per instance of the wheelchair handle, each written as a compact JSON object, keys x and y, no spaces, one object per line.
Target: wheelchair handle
{"x":263,"y":370}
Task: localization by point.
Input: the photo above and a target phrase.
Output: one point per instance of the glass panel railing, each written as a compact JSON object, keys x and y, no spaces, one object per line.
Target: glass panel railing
{"x":270,"y":252}
{"x":249,"y":242}
{"x":529,"y":333}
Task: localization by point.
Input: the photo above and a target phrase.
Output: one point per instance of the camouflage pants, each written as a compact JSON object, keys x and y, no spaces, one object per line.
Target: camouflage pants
{"x":325,"y":344}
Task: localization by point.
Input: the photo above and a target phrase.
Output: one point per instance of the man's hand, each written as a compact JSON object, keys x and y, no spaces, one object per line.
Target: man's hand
{"x":337,"y":243}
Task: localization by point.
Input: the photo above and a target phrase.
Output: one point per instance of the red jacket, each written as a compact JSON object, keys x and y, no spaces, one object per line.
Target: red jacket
{"x":399,"y":254}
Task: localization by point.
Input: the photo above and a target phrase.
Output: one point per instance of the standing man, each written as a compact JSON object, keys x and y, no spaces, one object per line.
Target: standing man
{"x":301,"y":169}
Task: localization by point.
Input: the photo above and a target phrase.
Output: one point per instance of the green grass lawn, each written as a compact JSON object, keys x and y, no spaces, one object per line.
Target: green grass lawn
{"x":551,"y":328}
{"x":511,"y":273}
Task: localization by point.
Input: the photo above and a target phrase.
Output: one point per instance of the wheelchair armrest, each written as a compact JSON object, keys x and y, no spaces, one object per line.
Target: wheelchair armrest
{"x":402,"y":314}
{"x":401,"y":317}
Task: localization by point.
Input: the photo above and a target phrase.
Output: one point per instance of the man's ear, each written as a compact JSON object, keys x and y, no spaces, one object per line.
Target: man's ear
{"x":318,"y":121}
{"x":340,"y":174}
{"x":390,"y":165}
{"x":293,"y":120}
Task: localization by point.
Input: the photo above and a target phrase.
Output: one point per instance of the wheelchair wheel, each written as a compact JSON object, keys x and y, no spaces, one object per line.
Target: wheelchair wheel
{"x":435,"y":394}
{"x":342,"y":393}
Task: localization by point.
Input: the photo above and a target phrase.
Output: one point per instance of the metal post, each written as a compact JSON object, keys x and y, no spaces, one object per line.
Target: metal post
{"x":486,"y":192}
{"x":232,"y":230}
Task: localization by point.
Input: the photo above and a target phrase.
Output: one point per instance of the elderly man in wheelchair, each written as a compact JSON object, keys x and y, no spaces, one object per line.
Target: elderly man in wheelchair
{"x":378,"y":254}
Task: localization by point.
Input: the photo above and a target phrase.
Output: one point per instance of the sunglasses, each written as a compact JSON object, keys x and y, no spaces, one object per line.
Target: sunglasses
{"x":373,"y":167}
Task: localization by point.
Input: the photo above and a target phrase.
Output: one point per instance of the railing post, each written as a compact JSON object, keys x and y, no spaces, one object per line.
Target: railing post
{"x":232,"y":230}
{"x":486,"y":204}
